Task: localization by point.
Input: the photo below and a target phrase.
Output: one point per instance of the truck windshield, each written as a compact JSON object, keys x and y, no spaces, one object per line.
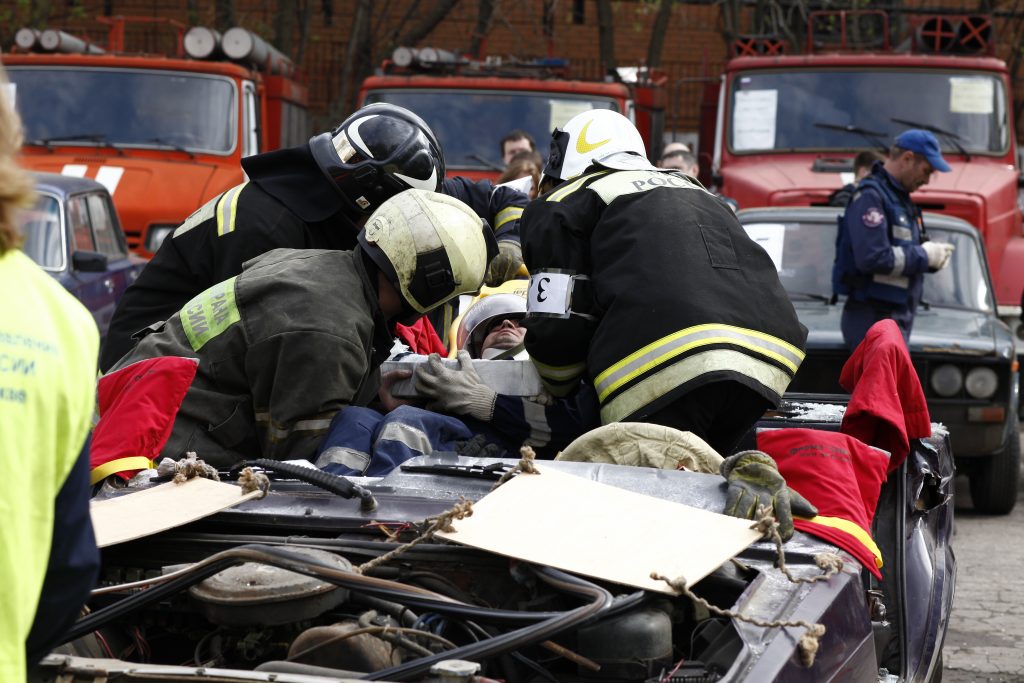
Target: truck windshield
{"x":803,"y":253}
{"x":806,"y":110}
{"x":470,"y":123}
{"x":126,"y":108}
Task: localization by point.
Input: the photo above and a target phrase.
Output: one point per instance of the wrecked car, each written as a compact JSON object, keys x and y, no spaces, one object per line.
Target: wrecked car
{"x":266,"y":591}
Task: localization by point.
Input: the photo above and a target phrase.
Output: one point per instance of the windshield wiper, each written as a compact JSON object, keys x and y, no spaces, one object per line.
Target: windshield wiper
{"x":871,"y":136}
{"x":812,"y":296}
{"x":489,"y":164}
{"x":953,"y":138}
{"x":98,"y":138}
{"x":173,"y":145}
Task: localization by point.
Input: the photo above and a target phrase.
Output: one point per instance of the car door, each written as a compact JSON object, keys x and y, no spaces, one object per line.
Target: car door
{"x":94,"y":289}
{"x":122,"y":267}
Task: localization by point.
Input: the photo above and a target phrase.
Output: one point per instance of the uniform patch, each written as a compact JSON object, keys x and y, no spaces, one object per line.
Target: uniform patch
{"x":873,"y":217}
{"x":209,"y":314}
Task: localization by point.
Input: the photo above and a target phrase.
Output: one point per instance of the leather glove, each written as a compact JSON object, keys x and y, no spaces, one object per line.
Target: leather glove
{"x":938,"y":254}
{"x":505,"y":265}
{"x":754,"y":481}
{"x":454,"y":391}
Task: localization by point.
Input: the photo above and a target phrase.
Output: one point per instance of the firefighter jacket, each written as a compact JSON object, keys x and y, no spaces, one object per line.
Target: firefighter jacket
{"x":49,"y":563}
{"x":282,"y":347}
{"x":287,"y":203}
{"x":678,"y":296}
{"x":879,"y":257}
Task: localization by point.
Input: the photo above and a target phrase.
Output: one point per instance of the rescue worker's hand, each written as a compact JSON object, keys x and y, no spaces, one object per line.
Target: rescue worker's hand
{"x":938,"y":254}
{"x":455,"y":391}
{"x":505,"y":265}
{"x":754,"y":481}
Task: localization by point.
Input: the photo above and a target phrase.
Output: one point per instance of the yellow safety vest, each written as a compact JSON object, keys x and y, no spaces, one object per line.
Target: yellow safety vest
{"x":48,"y":351}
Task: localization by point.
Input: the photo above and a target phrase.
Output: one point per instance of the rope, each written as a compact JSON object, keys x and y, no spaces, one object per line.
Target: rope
{"x":442,"y":522}
{"x":527,"y":457}
{"x":254,"y":481}
{"x":830,"y":563}
{"x":807,"y":645}
{"x":187,"y":468}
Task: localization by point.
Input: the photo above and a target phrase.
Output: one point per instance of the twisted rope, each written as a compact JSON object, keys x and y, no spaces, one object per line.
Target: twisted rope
{"x":187,"y":468}
{"x":442,"y":522}
{"x":254,"y":481}
{"x":525,"y":464}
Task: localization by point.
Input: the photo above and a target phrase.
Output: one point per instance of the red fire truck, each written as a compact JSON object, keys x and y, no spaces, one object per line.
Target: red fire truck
{"x":471,"y":104}
{"x":165,"y":134}
{"x":786,"y":126}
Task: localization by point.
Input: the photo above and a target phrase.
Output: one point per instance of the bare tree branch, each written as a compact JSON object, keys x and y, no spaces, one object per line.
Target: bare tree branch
{"x":223,"y":15}
{"x":427,"y":24}
{"x":606,"y":35}
{"x":485,"y":11}
{"x":358,"y":39}
{"x":658,"y":31}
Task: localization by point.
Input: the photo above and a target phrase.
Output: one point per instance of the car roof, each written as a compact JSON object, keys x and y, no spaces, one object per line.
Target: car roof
{"x":64,"y":185}
{"x":827,"y":214}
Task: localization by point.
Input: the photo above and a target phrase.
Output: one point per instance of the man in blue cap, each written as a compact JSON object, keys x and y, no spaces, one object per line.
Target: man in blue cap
{"x":880,"y":257}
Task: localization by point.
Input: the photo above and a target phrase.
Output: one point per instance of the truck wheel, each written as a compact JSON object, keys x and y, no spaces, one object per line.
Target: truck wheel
{"x":994,"y":482}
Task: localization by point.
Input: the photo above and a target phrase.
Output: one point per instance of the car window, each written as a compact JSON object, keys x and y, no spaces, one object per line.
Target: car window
{"x":964,"y":282}
{"x":81,"y":231}
{"x":103,"y":226}
{"x":43,"y":233}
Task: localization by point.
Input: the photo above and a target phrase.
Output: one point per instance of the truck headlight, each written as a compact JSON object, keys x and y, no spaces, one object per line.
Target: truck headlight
{"x":981,"y":382}
{"x":156,"y":235}
{"x":947,"y":380}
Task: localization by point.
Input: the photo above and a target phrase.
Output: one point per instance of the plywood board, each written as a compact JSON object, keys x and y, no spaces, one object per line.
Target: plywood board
{"x":601,"y":531}
{"x":150,"y":511}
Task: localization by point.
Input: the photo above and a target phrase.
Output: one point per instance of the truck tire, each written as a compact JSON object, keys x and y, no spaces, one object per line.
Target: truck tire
{"x":994,"y":481}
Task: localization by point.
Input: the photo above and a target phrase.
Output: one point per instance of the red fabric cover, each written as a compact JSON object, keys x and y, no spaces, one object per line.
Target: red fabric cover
{"x":887,"y":406}
{"x":137,"y":405}
{"x":836,"y":473}
{"x":421,"y":338}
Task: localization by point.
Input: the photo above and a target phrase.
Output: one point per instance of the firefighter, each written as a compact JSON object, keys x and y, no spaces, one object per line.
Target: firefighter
{"x":645,"y":282}
{"x":299,"y":334}
{"x":881,"y":250}
{"x":313,"y":196}
{"x":48,"y":347}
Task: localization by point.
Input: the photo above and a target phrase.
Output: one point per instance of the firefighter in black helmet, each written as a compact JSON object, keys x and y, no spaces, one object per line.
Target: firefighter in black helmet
{"x":313,"y":196}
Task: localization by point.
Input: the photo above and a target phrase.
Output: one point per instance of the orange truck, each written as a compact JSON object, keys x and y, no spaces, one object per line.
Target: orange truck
{"x":471,"y":104}
{"x":784,"y":128}
{"x":165,"y":134}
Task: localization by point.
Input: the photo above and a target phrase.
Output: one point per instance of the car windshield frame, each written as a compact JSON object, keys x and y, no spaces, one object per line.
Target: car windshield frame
{"x":837,"y":113}
{"x":41,"y":196}
{"x":807,"y":256}
{"x":459,"y":144}
{"x":155,"y":138}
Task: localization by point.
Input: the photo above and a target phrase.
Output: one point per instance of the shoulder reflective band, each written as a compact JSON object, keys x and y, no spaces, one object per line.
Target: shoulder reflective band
{"x":550,"y":294}
{"x":226,"y":209}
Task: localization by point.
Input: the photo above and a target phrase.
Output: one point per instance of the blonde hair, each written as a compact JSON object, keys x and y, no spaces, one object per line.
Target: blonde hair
{"x":15,"y":183}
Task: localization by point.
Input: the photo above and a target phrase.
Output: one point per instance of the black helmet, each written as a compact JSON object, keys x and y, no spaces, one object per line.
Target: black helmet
{"x":377,"y":152}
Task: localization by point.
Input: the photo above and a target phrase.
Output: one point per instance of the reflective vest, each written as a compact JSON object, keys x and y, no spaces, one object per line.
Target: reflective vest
{"x":48,"y":350}
{"x":904,"y":230}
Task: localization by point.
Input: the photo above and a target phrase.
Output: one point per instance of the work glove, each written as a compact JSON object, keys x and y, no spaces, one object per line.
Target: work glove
{"x":479,"y":447}
{"x":459,"y":391}
{"x":754,"y":481}
{"x":505,"y":265}
{"x":938,"y":254}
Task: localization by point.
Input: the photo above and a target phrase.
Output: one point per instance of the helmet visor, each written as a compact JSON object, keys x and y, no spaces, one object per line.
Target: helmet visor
{"x":556,"y":155}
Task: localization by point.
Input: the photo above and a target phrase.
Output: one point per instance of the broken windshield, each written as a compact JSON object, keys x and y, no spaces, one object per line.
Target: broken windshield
{"x":819,"y":109}
{"x":126,"y":108}
{"x":470,"y":123}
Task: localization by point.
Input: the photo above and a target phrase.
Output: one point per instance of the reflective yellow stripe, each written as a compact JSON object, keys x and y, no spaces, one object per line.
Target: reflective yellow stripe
{"x":226,"y":209}
{"x":668,"y":347}
{"x":853,"y":529}
{"x":559,"y":373}
{"x":507,"y":215}
{"x":133,"y":462}
{"x":559,"y":195}
{"x":651,"y":388}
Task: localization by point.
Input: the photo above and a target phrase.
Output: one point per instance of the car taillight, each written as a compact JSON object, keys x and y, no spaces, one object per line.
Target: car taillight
{"x":156,"y":234}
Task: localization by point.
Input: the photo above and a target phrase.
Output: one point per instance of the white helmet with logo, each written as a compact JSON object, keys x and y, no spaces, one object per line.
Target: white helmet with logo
{"x":596,"y":136}
{"x":432,"y":247}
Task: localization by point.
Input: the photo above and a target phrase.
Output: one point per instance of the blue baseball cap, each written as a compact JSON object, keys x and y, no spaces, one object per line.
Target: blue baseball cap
{"x":923,"y":142}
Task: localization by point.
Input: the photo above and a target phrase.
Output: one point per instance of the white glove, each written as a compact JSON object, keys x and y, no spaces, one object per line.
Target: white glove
{"x":938,"y":254}
{"x":455,"y":391}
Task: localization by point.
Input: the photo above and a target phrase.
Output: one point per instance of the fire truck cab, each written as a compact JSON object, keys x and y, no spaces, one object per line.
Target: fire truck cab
{"x":789,"y":125}
{"x":164,"y":134}
{"x":472,"y":104}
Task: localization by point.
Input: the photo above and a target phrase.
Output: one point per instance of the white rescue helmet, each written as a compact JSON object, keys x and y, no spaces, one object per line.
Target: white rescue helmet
{"x":431,"y":247}
{"x":476,"y":322}
{"x":595,"y":136}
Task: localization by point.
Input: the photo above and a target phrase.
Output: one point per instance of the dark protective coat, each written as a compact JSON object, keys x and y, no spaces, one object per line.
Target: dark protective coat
{"x":680,"y":295}
{"x":287,"y":203}
{"x":282,"y":347}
